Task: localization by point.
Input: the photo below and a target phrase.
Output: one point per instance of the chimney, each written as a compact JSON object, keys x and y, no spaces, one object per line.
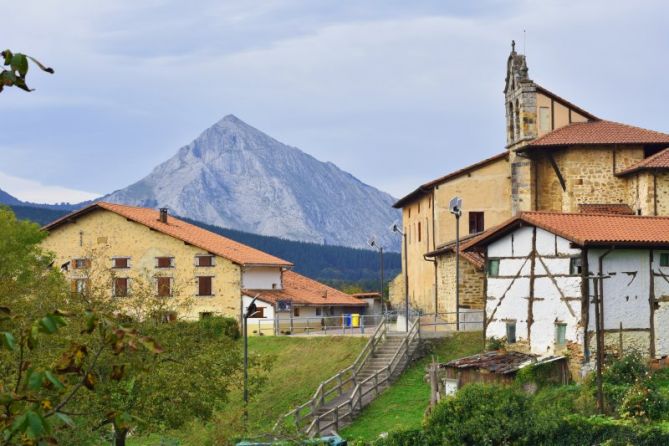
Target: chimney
{"x":163,"y":215}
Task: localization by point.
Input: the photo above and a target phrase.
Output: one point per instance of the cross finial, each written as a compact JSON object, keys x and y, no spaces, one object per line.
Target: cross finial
{"x":513,"y":46}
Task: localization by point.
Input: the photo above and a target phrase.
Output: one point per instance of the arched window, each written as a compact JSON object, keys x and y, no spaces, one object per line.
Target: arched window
{"x":516,"y":124}
{"x":509,"y":122}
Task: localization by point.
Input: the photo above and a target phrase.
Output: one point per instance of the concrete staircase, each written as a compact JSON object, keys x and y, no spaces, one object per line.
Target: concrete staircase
{"x":340,"y":399}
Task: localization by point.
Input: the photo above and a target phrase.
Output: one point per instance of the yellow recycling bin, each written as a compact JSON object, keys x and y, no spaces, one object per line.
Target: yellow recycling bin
{"x":355,"y":320}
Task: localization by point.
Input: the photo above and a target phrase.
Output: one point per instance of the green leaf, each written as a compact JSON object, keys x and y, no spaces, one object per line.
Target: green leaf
{"x":7,"y":78}
{"x":32,"y":336}
{"x":35,"y":379}
{"x":65,"y":419}
{"x":91,"y":322}
{"x":37,"y":425}
{"x":7,"y":339}
{"x":8,"y":56}
{"x":19,"y":63}
{"x":48,"y":325}
{"x":53,"y":380}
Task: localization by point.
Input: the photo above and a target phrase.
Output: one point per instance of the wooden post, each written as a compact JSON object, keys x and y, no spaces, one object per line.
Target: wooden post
{"x":620,"y":341}
{"x":600,"y":346}
{"x":434,"y":383}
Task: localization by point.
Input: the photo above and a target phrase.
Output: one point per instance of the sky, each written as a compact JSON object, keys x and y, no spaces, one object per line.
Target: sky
{"x":394,"y":92}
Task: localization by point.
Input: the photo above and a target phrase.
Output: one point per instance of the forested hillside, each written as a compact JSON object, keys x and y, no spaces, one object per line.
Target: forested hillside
{"x":337,"y":265}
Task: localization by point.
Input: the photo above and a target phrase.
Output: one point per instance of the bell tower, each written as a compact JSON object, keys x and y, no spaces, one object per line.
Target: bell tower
{"x":520,"y":94}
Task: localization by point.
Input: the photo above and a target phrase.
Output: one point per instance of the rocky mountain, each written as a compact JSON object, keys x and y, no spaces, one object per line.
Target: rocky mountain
{"x":237,"y":177}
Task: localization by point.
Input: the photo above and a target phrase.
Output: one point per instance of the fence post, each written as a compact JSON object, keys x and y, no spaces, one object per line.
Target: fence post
{"x":341,"y":390}
{"x":308,"y":329}
{"x":336,"y":418}
{"x":362,"y":323}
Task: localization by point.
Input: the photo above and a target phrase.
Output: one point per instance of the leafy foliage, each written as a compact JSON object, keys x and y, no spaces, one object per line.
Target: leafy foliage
{"x":16,"y":69}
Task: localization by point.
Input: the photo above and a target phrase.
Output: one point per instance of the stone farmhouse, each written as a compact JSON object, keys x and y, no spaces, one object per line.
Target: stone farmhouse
{"x":113,"y":248}
{"x":546,"y":273}
{"x":558,"y":157}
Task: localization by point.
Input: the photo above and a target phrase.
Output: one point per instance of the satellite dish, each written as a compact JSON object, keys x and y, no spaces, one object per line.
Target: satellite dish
{"x":455,"y":205}
{"x":395,"y":227}
{"x":372,"y":241}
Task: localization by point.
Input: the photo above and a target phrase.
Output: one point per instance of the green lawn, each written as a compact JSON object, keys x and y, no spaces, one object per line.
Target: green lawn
{"x":300,"y":365}
{"x":402,"y":405}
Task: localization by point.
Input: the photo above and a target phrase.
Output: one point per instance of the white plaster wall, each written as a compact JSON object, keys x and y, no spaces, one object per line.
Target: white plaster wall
{"x":625,"y":293}
{"x":261,"y":278}
{"x":661,"y":284}
{"x":662,"y":329}
{"x":549,"y":307}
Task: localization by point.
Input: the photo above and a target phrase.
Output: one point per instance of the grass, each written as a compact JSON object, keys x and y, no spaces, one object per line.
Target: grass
{"x":300,"y":364}
{"x":402,"y":405}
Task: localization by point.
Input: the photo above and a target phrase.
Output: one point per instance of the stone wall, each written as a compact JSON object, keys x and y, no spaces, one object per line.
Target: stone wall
{"x":662,"y":182}
{"x":589,"y":174}
{"x":471,"y":284}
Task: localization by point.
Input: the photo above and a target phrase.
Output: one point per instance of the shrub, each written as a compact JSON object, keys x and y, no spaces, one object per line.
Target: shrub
{"x":217,"y":326}
{"x":411,"y":437}
{"x":482,"y":415}
{"x":494,"y":343}
{"x":643,"y":402}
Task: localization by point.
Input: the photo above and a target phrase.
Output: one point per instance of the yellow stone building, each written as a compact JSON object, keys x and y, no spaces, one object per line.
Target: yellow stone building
{"x":119,"y":251}
{"x":557,"y":157}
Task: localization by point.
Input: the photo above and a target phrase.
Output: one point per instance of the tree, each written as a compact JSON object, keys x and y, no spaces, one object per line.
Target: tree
{"x":16,"y":69}
{"x":50,"y":341}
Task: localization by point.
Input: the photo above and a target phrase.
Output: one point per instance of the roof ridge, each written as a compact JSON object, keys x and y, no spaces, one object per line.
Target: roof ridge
{"x":594,"y":214}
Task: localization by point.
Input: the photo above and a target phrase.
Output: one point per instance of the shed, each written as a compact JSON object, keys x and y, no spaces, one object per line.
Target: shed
{"x":499,"y":367}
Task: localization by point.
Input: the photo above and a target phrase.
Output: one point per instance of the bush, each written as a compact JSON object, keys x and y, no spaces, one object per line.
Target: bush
{"x":643,"y":402}
{"x":412,"y":437}
{"x":217,"y":326}
{"x":483,"y":415}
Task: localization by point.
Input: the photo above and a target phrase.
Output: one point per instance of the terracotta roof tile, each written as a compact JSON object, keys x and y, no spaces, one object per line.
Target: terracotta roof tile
{"x":603,"y":208}
{"x":658,"y":161}
{"x":179,"y":229}
{"x":305,"y":291}
{"x":599,"y":132}
{"x":472,"y":257}
{"x":589,"y":229}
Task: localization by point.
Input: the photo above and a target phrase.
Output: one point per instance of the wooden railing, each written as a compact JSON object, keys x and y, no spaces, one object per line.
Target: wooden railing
{"x":331,"y":420}
{"x":336,"y":385}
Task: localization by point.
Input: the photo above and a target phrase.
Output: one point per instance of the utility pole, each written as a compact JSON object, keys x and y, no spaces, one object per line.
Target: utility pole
{"x":455,"y":207}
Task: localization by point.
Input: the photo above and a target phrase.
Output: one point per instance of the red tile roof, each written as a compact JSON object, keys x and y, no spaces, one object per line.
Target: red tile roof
{"x":658,"y":161}
{"x":475,"y":258}
{"x":422,"y":189}
{"x":603,"y":208}
{"x":589,"y":229}
{"x":179,"y":229}
{"x":599,"y":133}
{"x":304,"y":291}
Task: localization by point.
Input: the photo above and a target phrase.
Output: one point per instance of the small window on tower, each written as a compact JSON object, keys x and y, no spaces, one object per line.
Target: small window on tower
{"x":420,"y":234}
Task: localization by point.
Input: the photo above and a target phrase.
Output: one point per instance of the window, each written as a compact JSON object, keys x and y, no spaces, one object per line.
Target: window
{"x":79,"y":286}
{"x":664,"y":259}
{"x":121,"y":262}
{"x":475,"y":222}
{"x":164,"y":286}
{"x":164,"y":262}
{"x":493,"y":267}
{"x":575,"y":266}
{"x":259,"y":313}
{"x":419,"y":207}
{"x":560,"y":334}
{"x":81,"y":263}
{"x":204,"y":260}
{"x":204,"y":286}
{"x":120,"y":287}
{"x":296,"y":311}
{"x":420,"y":233}
{"x":318,"y":311}
{"x":511,"y":332}
{"x":206,"y":315}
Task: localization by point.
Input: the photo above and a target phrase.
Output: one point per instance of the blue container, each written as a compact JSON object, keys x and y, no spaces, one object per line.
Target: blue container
{"x":347,"y":320}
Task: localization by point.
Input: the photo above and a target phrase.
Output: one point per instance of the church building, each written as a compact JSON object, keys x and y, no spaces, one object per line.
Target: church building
{"x":557,"y":157}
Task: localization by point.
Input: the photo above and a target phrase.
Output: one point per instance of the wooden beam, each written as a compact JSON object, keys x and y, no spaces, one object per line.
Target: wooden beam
{"x":549,"y":155}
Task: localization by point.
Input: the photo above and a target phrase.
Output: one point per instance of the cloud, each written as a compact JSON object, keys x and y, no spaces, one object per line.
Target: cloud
{"x":35,"y":192}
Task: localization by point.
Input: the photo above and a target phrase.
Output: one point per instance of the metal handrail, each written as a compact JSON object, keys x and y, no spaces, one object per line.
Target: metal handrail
{"x":319,"y":397}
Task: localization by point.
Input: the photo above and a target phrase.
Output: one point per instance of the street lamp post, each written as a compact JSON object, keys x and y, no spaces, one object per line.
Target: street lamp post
{"x":406,"y":278}
{"x":455,"y":207}
{"x":373,"y":243}
{"x":250,"y":311}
